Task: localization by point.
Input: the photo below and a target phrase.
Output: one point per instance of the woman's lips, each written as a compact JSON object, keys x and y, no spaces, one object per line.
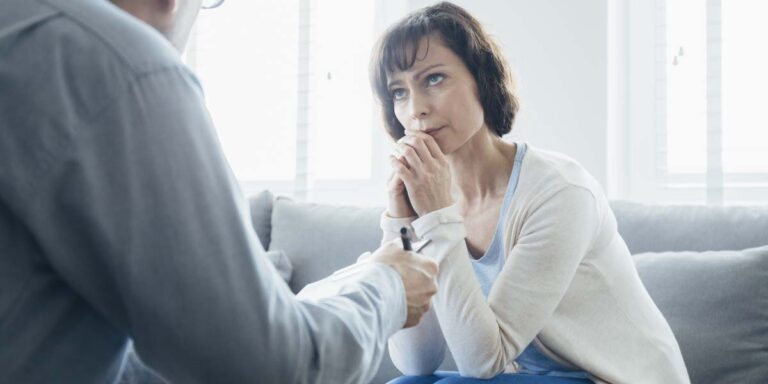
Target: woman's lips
{"x":433,"y":131}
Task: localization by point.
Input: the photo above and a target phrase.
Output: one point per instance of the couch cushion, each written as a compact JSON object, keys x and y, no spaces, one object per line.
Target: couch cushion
{"x":319,"y":239}
{"x":657,"y":228}
{"x":717,"y":306}
{"x":261,"y":216}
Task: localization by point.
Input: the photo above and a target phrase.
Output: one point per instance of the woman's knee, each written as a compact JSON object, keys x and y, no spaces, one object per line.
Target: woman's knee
{"x":415,"y":380}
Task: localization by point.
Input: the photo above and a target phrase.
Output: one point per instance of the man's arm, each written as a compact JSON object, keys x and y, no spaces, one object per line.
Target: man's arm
{"x":141,"y":216}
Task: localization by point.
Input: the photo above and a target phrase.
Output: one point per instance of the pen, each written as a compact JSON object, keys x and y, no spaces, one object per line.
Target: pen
{"x":406,"y":240}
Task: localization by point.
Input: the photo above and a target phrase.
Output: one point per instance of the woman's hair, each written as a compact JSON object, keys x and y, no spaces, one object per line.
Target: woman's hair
{"x":463,"y":35}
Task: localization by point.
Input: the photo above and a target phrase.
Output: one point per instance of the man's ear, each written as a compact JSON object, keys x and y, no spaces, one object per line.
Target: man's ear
{"x":165,"y":6}
{"x":159,"y":14}
{"x":162,"y":14}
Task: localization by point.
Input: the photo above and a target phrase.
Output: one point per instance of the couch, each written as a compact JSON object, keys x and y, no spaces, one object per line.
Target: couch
{"x":705,"y":267}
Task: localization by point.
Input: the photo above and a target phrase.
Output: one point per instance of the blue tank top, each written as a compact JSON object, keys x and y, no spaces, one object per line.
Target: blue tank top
{"x":488,"y":267}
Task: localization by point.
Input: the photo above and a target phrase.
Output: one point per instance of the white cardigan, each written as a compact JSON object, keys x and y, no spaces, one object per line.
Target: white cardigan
{"x":568,"y":284}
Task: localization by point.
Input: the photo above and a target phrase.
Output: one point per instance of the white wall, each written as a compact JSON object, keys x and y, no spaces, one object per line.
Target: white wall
{"x":558,"y":51}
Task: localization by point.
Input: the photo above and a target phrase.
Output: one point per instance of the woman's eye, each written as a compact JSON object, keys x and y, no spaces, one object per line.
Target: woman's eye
{"x":398,"y":94}
{"x":435,"y":79}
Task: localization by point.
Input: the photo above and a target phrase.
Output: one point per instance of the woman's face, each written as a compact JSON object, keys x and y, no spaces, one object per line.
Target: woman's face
{"x":438,"y":95}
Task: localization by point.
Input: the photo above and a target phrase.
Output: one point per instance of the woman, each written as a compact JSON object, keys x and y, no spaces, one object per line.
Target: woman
{"x":534,"y":277}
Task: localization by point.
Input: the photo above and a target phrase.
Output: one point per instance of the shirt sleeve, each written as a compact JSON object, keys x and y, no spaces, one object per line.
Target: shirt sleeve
{"x":418,"y":350}
{"x":142,"y":217}
{"x":390,"y":226}
{"x":485,"y":336}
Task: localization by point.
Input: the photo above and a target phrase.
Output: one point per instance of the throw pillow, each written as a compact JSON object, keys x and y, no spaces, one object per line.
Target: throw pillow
{"x":261,"y":216}
{"x":282,"y":263}
{"x":717,"y":305}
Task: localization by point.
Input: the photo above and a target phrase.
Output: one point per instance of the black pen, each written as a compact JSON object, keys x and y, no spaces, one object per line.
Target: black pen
{"x":406,"y":240}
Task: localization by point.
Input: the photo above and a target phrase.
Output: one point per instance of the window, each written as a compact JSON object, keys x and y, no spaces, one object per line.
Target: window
{"x":287,"y":87}
{"x":703,"y":138}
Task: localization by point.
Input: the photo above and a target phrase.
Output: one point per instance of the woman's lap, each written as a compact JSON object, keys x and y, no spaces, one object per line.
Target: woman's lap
{"x":442,"y":377}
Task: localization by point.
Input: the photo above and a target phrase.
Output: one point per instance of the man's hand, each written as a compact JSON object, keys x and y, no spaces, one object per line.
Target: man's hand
{"x":418,"y":273}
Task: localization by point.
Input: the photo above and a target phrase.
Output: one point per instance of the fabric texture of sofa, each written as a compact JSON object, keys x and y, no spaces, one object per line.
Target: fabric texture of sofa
{"x":705,"y":267}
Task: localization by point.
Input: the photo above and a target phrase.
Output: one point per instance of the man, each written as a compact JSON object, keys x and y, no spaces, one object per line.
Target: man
{"x":119,"y":218}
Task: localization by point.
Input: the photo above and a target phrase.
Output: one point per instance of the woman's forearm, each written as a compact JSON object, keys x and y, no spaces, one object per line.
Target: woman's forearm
{"x":468,"y":324}
{"x":418,"y":350}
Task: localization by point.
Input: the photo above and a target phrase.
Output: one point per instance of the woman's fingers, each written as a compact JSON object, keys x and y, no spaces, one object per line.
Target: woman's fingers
{"x":434,"y":149}
{"x":428,"y":180}
{"x":393,"y":179}
{"x":400,"y":168}
{"x":427,"y":142}
{"x":418,"y":144}
{"x":410,"y":155}
{"x":395,"y":157}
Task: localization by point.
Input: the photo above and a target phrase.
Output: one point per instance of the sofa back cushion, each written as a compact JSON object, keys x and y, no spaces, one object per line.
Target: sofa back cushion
{"x":319,"y":239}
{"x":657,"y":228}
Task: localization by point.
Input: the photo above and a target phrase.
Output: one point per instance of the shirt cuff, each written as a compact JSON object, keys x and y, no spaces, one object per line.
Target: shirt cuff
{"x":391,"y":226}
{"x":440,"y":223}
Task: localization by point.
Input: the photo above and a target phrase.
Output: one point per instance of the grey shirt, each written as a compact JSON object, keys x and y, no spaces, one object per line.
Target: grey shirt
{"x":120,"y":219}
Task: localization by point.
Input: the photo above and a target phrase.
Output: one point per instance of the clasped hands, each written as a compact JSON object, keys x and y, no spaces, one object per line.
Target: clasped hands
{"x":421,"y":178}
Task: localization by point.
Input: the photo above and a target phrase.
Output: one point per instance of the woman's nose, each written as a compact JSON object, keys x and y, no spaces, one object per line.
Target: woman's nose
{"x":419,"y":106}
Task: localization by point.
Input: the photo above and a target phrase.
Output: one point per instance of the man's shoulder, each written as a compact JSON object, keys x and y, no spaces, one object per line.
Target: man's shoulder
{"x":85,"y":53}
{"x":136,"y":44}
{"x":89,"y":34}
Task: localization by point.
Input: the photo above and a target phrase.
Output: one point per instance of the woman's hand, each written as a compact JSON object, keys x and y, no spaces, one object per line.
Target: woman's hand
{"x":398,"y":205}
{"x":425,"y":172}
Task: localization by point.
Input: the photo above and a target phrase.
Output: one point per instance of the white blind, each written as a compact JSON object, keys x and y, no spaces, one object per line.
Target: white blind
{"x":286,"y":85}
{"x":245,"y":54}
{"x":712,"y":134}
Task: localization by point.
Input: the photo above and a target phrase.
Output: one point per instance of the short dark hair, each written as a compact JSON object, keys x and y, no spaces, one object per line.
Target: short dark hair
{"x":465,"y":36}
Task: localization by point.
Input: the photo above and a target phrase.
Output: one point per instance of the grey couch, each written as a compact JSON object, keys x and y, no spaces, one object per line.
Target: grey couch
{"x":716,"y":301}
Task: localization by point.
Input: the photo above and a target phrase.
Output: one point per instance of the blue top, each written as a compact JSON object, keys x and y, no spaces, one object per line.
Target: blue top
{"x":488,"y":267}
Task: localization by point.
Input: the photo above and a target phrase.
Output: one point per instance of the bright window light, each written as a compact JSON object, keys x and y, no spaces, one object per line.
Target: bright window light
{"x":686,"y":86}
{"x":745,"y":81}
{"x":341,"y":116}
{"x":247,"y":55}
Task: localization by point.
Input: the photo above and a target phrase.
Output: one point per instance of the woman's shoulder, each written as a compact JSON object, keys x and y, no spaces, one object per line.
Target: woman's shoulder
{"x":544,"y":170}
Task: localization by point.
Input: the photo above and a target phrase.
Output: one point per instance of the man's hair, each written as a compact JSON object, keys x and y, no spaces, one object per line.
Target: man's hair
{"x":462,"y":34}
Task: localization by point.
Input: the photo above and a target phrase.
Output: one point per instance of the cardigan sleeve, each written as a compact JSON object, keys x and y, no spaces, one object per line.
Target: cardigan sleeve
{"x":418,"y":350}
{"x":485,"y":336}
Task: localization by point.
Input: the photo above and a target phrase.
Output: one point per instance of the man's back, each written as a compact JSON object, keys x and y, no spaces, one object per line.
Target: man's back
{"x":119,"y":217}
{"x":58,"y":69}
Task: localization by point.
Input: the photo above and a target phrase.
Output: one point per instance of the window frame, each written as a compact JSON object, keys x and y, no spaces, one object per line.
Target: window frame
{"x":637,"y":115}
